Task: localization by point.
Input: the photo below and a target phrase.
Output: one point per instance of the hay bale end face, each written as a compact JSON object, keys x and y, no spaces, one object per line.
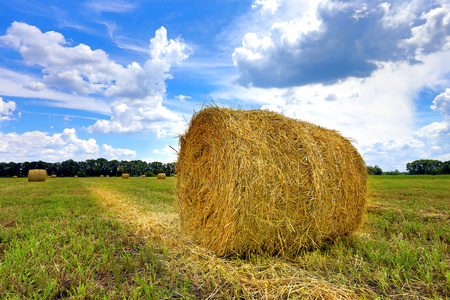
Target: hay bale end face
{"x":37,"y":175}
{"x":161,"y":176}
{"x":258,"y":182}
{"x":125,"y":176}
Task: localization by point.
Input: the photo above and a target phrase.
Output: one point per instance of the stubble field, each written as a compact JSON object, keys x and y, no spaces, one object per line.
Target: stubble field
{"x":119,"y":239}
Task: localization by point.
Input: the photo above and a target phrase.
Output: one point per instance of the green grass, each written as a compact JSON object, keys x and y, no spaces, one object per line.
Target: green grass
{"x":56,"y":242}
{"x":59,"y":240}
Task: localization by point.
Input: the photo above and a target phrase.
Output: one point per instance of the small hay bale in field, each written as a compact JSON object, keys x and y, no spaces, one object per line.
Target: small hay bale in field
{"x":258,"y":182}
{"x":37,"y":175}
{"x":14,"y":176}
{"x":76,"y":176}
{"x":125,"y":176}
{"x":53,"y":176}
{"x":143,"y":176}
{"x":161,"y":176}
{"x":107,"y":176}
{"x":102,"y":176}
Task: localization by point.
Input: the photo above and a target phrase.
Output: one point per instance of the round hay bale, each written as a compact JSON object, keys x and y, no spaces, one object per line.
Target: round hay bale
{"x":258,"y":182}
{"x":37,"y":175}
{"x":161,"y":176}
{"x":125,"y":176}
{"x":76,"y":176}
{"x":107,"y":176}
{"x":14,"y":176}
{"x":53,"y":176}
{"x":143,"y":176}
{"x":101,"y":176}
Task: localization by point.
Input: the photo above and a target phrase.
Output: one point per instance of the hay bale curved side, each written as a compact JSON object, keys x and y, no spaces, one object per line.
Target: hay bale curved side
{"x":256,"y":181}
{"x":161,"y":176}
{"x":37,"y":175}
{"x":125,"y":176}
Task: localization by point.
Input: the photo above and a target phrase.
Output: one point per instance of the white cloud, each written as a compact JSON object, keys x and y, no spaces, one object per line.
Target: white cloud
{"x":266,"y":5}
{"x":339,"y":41}
{"x":182,"y":97}
{"x":6,"y":109}
{"x":116,"y":153}
{"x":434,"y":34}
{"x":37,"y":145}
{"x":132,"y":119}
{"x":136,"y":91}
{"x":35,"y":86}
{"x":442,"y":103}
{"x":16,"y":84}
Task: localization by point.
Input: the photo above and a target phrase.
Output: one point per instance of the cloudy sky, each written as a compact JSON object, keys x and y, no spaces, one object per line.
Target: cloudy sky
{"x":121,"y":79}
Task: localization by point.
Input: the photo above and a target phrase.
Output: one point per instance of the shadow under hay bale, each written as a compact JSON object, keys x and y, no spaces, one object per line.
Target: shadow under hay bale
{"x":125,"y":176}
{"x":161,"y":176}
{"x":37,"y":175}
{"x":258,"y":182}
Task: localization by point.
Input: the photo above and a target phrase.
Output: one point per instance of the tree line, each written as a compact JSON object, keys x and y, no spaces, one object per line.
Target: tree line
{"x":417,"y":167}
{"x":90,"y":167}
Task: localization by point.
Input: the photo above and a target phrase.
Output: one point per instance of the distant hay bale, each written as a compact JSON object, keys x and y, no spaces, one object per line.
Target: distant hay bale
{"x":37,"y":175}
{"x":107,"y":176}
{"x":161,"y":176}
{"x":125,"y":176}
{"x":53,"y":176}
{"x":102,"y":176}
{"x":258,"y":182}
{"x":14,"y":176}
{"x":142,"y":176}
{"x":76,"y":176}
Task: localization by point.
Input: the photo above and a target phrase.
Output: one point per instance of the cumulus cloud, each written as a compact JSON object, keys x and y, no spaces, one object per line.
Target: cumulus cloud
{"x":137,"y":91}
{"x":6,"y":109}
{"x":117,"y":153}
{"x":344,"y":42}
{"x":127,"y":119}
{"x":37,"y":145}
{"x":266,"y":5}
{"x":433,"y":34}
{"x":35,"y":86}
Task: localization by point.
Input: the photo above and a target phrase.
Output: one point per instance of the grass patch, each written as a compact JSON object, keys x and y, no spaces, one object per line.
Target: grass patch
{"x":114,"y":238}
{"x":56,"y":241}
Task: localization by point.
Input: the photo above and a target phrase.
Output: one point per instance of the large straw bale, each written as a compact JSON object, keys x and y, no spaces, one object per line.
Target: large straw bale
{"x":37,"y":175}
{"x":258,"y":182}
{"x":125,"y":176}
{"x":161,"y":176}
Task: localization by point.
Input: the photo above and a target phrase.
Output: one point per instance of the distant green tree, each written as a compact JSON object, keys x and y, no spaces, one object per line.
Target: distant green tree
{"x":376,"y":170}
{"x":396,"y":172}
{"x":445,"y":168}
{"x":424,"y":166}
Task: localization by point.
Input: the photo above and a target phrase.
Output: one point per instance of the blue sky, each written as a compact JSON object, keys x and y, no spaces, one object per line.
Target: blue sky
{"x":121,"y":79}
